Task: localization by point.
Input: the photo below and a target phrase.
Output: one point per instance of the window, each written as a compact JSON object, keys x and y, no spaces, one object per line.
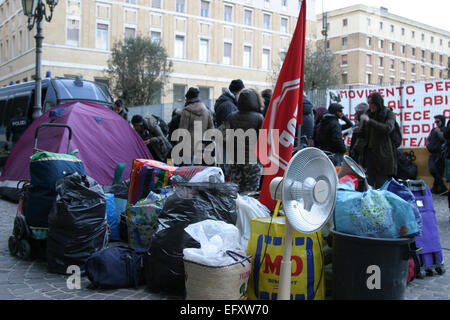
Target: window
{"x":283,"y":55}
{"x":131,"y":1}
{"x":204,"y":9}
{"x":227,"y":53}
{"x":20,"y":44}
{"x":266,"y":21}
{"x":381,"y":25}
{"x":392,"y":45}
{"x":380,"y":62}
{"x":368,"y":78}
{"x":380,"y":80}
{"x":413,"y":34}
{"x":284,"y":22}
{"x":423,"y":36}
{"x":368,"y":21}
{"x":432,"y":57}
{"x":403,"y":66}
{"x":403,"y":31}
{"x":284,"y":3}
{"x":403,"y":49}
{"x":431,"y":72}
{"x":413,"y":69}
{"x":248,"y":17}
{"x":13,"y":46}
{"x":422,"y":70}
{"x":228,"y":13}
{"x":369,"y":60}
{"x":73,"y":32}
{"x":344,"y":41}
{"x":344,"y":22}
{"x":369,"y":41}
{"x":344,"y":60}
{"x":380,"y":44}
{"x":344,"y":78}
{"x":413,"y":52}
{"x":204,"y":50}
{"x":266,"y":59}
{"x":102,"y":37}
{"x":247,"y":56}
{"x":392,"y":28}
{"x":392,"y":65}
{"x":179,"y":5}
{"x":130,"y":33}
{"x":156,"y":4}
{"x":432,"y":39}
{"x":179,"y":47}
{"x":178,"y":95}
{"x":155,"y":36}
{"x":422,"y":54}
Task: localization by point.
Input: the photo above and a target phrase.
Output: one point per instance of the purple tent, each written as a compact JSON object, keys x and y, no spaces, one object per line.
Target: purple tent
{"x":102,"y":137}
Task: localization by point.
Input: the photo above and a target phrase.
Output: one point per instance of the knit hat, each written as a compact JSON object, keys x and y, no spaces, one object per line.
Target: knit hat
{"x":335,"y":107}
{"x":236,"y":85}
{"x":192,"y":93}
{"x":137,"y":120}
{"x":361,"y":107}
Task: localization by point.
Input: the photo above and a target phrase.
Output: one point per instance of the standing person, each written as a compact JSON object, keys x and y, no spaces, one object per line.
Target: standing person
{"x":16,"y":127}
{"x":152,"y":135}
{"x":330,"y":132}
{"x":120,"y":109}
{"x":307,"y":127}
{"x":436,"y":160}
{"x":226,"y":103}
{"x":174,"y":122}
{"x":195,"y":111}
{"x":248,"y":174}
{"x":266,"y":95}
{"x":447,"y":154}
{"x":379,"y":156}
{"x":357,"y":142}
{"x":318,"y":114}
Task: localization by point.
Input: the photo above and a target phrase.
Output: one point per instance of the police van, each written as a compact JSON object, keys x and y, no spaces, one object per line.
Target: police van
{"x":55,"y":91}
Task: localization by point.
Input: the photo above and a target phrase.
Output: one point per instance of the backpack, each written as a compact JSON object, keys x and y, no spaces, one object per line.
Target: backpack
{"x":116,"y":267}
{"x":406,"y":168}
{"x":396,"y":136}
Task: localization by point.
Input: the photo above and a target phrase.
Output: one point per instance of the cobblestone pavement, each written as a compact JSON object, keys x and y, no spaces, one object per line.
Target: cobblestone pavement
{"x":29,"y":280}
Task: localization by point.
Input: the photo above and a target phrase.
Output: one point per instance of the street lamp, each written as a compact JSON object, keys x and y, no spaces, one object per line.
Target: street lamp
{"x":35,"y":10}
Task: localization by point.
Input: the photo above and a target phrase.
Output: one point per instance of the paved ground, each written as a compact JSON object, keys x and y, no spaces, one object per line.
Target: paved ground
{"x":29,"y":280}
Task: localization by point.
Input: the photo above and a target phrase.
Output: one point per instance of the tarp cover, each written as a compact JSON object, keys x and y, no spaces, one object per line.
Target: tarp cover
{"x":102,"y":137}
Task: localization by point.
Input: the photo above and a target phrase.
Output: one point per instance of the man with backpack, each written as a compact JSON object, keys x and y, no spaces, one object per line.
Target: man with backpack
{"x":150,"y":131}
{"x":379,"y":155}
{"x":435,"y":142}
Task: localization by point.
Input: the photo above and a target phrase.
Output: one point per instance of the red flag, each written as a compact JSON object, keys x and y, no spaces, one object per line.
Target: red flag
{"x":276,"y":139}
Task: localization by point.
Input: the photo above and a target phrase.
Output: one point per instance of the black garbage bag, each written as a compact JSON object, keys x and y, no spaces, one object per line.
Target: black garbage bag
{"x":190,"y":203}
{"x":119,"y":190}
{"x":77,"y":223}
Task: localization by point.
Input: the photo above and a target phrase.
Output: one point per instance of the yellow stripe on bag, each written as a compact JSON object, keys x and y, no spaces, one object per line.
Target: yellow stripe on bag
{"x":266,"y":245}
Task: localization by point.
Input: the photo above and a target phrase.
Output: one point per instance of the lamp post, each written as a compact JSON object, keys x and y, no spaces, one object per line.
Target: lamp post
{"x":35,"y":10}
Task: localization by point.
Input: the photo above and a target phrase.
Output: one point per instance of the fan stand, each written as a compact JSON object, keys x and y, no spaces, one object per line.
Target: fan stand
{"x":284,"y":284}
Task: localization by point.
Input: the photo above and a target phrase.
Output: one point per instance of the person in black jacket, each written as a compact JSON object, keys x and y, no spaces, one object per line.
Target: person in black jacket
{"x":307,"y":127}
{"x":226,"y":103}
{"x":330,"y":132}
{"x":446,"y":130}
{"x":435,"y":141}
{"x":120,"y":109}
{"x":246,"y":173}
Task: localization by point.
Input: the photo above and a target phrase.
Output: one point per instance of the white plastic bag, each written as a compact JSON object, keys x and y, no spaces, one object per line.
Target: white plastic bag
{"x":215,"y":237}
{"x":247,"y":209}
{"x":214,"y":173}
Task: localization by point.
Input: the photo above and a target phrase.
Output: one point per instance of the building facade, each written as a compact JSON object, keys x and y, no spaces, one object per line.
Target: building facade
{"x":375,"y":47}
{"x":209,"y":42}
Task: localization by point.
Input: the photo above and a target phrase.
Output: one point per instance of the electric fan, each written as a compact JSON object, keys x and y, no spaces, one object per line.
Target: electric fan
{"x":308,"y":194}
{"x":349,"y":166}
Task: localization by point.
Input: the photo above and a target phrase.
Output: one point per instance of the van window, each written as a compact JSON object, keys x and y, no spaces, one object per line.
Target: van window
{"x":3,"y":113}
{"x":67,"y":90}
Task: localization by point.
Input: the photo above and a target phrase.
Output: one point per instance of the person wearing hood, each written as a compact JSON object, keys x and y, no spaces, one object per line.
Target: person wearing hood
{"x":330,"y":132}
{"x":379,"y":156}
{"x":435,"y":141}
{"x":307,"y":127}
{"x":248,"y":117}
{"x":195,"y":111}
{"x":318,"y":114}
{"x":226,"y":104}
